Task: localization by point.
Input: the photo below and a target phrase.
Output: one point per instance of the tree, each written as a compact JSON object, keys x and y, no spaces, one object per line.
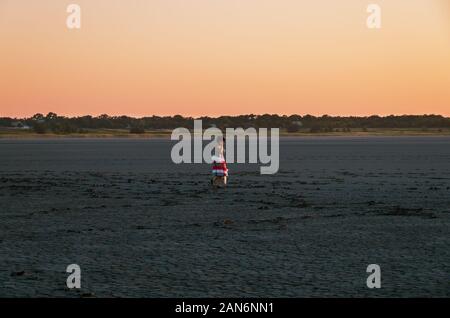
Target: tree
{"x":39,"y":128}
{"x":38,"y":117}
{"x":293,"y":128}
{"x":51,"y":116}
{"x":137,"y":130}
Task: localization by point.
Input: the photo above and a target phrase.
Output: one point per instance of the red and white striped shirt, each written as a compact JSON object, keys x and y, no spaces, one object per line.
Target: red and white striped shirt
{"x":220,"y":168}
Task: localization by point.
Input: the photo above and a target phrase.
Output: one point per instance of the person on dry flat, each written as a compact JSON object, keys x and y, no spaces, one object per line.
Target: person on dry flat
{"x":219,"y":168}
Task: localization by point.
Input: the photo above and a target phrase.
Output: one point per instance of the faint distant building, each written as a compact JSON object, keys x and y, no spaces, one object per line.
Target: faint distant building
{"x":297,"y":123}
{"x":20,"y":125}
{"x":294,"y":126}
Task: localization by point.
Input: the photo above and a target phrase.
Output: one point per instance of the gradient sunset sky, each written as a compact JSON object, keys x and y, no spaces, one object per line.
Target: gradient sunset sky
{"x":224,"y":57}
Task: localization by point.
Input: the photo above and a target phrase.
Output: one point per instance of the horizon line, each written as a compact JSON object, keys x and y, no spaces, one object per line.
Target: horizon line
{"x":227,"y":115}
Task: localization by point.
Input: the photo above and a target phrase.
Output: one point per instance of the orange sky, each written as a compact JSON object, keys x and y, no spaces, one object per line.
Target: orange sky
{"x":216,"y":57}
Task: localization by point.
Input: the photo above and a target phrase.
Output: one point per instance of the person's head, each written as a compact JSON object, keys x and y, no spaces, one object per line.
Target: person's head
{"x":219,"y":146}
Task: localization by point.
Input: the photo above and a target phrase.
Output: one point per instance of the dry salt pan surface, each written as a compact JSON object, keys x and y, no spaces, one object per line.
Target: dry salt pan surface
{"x":140,"y":226}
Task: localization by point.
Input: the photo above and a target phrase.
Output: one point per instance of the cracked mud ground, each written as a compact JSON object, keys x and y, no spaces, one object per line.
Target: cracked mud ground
{"x":140,"y":226}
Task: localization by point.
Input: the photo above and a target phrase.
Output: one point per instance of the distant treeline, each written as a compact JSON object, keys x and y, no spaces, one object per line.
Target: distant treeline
{"x":59,"y":124}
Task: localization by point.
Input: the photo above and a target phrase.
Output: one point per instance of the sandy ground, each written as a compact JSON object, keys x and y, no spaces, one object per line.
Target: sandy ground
{"x":140,"y":226}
